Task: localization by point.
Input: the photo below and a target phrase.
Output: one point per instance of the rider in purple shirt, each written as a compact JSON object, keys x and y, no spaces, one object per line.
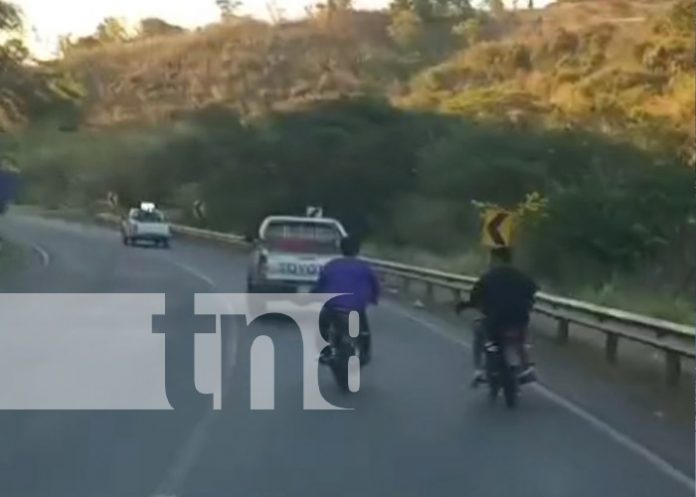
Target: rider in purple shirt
{"x":355,"y":279}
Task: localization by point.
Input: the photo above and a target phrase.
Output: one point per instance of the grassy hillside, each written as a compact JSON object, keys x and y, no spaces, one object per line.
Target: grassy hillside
{"x":248,"y":66}
{"x":396,"y":124}
{"x":617,"y":67}
{"x":621,"y":68}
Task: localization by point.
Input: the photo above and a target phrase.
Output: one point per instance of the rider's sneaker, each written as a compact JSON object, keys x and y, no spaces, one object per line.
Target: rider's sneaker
{"x":527,"y":375}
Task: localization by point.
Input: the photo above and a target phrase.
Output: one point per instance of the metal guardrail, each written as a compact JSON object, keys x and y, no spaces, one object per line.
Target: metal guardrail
{"x":674,"y":339}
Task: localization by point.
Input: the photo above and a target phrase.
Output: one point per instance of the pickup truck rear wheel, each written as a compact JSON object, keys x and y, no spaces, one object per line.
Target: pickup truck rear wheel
{"x":165,"y":244}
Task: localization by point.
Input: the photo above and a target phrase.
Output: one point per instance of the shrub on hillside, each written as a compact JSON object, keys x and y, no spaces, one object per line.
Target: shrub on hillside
{"x":683,"y":16}
{"x":406,"y":29}
{"x":598,"y":37}
{"x":471,"y":31}
{"x":564,"y":42}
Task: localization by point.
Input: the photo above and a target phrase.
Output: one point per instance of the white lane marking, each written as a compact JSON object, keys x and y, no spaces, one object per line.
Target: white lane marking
{"x":190,"y":451}
{"x":622,"y":439}
{"x":45,"y":256}
{"x":193,"y":271}
{"x":617,"y":436}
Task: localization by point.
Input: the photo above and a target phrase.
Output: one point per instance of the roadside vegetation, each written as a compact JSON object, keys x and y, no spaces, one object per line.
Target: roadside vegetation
{"x":395,"y":122}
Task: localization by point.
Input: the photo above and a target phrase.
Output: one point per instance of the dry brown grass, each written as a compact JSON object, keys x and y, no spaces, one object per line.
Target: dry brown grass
{"x":248,"y":65}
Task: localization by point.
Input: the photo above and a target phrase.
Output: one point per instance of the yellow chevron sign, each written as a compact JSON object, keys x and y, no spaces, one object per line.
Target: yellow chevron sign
{"x":498,"y":228}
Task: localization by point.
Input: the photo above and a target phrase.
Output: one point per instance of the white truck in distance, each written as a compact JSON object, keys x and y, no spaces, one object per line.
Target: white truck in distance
{"x":290,"y":251}
{"x":145,"y":223}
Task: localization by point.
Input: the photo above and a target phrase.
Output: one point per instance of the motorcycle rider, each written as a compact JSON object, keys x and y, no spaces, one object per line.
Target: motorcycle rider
{"x":505,"y":296}
{"x":354,"y":278}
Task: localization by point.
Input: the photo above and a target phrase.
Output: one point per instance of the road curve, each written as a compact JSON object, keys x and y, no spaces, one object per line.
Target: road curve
{"x":415,"y":430}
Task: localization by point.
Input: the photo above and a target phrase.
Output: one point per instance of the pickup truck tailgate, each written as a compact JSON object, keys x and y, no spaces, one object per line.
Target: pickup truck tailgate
{"x":156,"y":229}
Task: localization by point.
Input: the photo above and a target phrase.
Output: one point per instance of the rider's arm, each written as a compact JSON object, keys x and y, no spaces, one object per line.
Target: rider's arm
{"x":321,"y":282}
{"x":475,"y":297}
{"x":375,"y":286}
{"x":534,"y":290}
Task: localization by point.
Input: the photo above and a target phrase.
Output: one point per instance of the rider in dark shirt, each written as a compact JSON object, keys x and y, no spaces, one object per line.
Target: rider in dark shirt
{"x":505,"y":297}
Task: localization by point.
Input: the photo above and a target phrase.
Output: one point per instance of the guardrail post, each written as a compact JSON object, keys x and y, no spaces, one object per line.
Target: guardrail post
{"x":563,"y":330}
{"x":406,"y":283}
{"x":612,"y":347}
{"x":429,"y":290}
{"x":673,"y":362}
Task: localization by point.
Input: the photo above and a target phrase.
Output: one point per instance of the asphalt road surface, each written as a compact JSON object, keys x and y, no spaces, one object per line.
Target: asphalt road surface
{"x":416,"y":428}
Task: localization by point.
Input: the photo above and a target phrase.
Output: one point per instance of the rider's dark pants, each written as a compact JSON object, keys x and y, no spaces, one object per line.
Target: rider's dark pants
{"x":490,"y":329}
{"x":329,"y":317}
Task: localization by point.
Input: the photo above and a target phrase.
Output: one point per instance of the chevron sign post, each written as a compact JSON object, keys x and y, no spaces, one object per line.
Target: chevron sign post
{"x":9,"y":187}
{"x":112,"y":199}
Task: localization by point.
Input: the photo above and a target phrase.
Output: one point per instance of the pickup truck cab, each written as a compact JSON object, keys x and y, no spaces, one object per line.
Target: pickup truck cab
{"x":145,"y":224}
{"x":290,"y":252}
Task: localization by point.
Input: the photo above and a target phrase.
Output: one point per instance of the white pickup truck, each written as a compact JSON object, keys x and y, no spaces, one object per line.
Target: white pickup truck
{"x":145,"y":224}
{"x":290,"y":251}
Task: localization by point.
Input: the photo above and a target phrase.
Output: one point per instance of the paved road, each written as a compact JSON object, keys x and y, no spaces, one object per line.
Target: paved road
{"x":416,"y":429}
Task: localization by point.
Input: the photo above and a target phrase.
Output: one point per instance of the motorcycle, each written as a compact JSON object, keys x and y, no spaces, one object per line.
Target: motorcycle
{"x":503,"y":363}
{"x":503,"y":367}
{"x":349,"y":351}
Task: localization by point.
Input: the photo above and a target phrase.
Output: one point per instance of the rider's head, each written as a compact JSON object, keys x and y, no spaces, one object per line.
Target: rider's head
{"x":350,"y":246}
{"x":501,"y":256}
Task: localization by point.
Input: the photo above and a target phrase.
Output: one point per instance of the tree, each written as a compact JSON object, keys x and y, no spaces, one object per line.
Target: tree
{"x":14,"y":50}
{"x":471,"y":30}
{"x":66,"y":44}
{"x":453,"y":8}
{"x":530,"y":5}
{"x":497,"y":7}
{"x":427,"y":9}
{"x":683,"y":16}
{"x":112,"y":30}
{"x":228,"y":7}
{"x":157,"y":27}
{"x":10,"y":17}
{"x":339,"y":4}
{"x":277,"y":13}
{"x":406,"y":29}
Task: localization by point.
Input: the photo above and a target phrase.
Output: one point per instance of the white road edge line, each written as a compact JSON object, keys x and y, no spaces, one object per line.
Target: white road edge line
{"x":193,"y":271}
{"x":621,"y":438}
{"x":45,"y":256}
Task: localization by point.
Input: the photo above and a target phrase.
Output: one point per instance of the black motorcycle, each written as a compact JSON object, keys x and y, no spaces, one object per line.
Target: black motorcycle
{"x":503,"y":367}
{"x":348,"y":352}
{"x":503,"y":363}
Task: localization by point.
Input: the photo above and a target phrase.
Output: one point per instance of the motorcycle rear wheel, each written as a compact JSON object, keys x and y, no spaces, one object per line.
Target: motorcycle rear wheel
{"x":509,"y":384}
